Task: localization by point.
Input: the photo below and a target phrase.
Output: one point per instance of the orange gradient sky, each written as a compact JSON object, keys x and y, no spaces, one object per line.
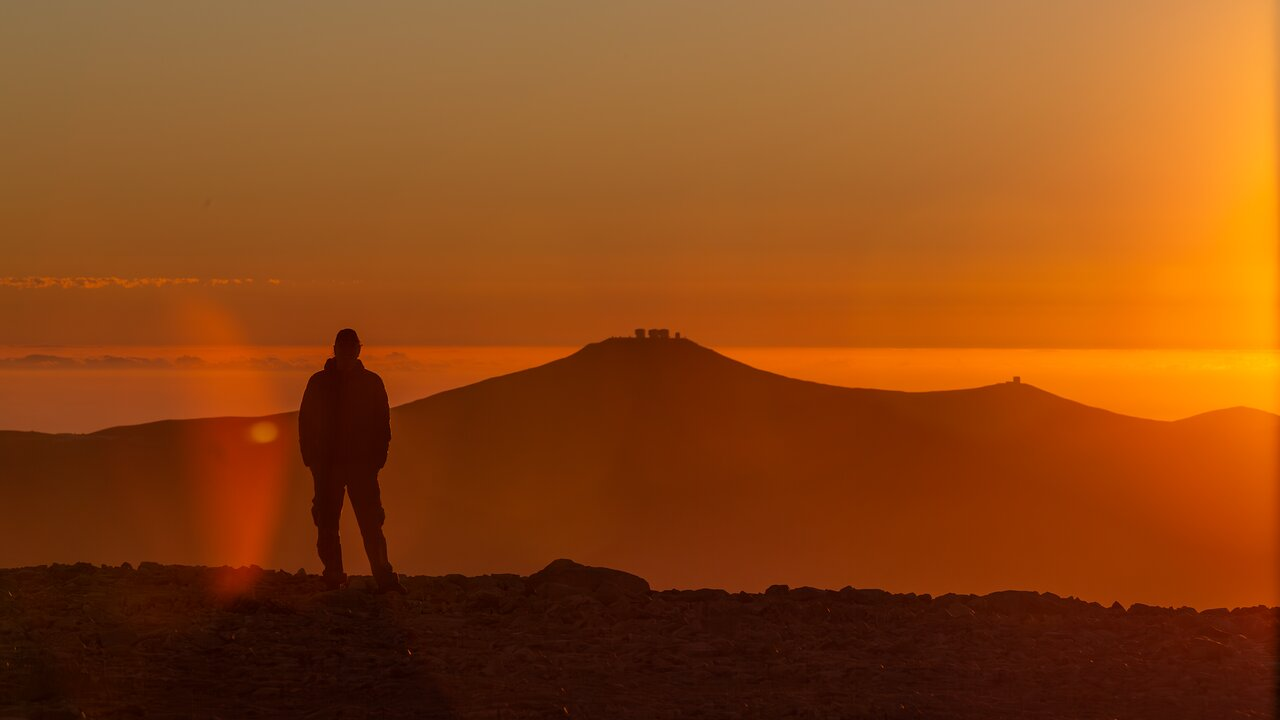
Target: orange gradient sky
{"x":87,"y":389}
{"x":994,"y":173}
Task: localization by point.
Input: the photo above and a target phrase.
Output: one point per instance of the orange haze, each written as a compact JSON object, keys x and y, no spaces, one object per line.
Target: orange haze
{"x":60,"y":389}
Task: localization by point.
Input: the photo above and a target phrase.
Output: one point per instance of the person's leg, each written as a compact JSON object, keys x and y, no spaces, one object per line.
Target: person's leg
{"x":326,"y":510}
{"x":366,"y":501}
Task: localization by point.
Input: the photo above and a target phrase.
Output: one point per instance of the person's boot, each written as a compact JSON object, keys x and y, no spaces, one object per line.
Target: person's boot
{"x":335,"y":581}
{"x":391,"y":584}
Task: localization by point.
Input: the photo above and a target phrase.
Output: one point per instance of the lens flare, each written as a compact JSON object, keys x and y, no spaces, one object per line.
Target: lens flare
{"x":263,"y":431}
{"x":235,"y":469}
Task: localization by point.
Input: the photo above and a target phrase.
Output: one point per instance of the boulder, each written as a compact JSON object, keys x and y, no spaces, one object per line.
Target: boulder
{"x":1016,"y":602}
{"x":1203,"y":649}
{"x":605,"y":583}
{"x":558,"y":590}
{"x":485,"y":599}
{"x":867,"y":596}
{"x":807,"y":593}
{"x":1144,"y":609}
{"x":702,"y":595}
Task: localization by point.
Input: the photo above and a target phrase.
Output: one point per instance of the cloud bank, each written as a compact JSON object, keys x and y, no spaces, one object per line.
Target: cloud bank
{"x":394,"y":362}
{"x":84,"y":282}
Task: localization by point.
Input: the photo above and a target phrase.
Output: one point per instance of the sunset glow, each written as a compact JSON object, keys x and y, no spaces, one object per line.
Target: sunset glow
{"x":640,"y":359}
{"x":901,"y":196}
{"x":82,"y":389}
{"x":989,"y":174}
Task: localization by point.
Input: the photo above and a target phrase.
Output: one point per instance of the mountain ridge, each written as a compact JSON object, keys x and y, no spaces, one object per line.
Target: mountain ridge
{"x":698,"y":470}
{"x":586,"y":351}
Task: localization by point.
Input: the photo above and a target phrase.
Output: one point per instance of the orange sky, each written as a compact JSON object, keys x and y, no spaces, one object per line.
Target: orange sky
{"x":84,"y":389}
{"x":994,"y":173}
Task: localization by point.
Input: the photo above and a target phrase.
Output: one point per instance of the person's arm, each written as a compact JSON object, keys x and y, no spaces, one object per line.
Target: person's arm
{"x":306,"y":420}
{"x":384,"y":422}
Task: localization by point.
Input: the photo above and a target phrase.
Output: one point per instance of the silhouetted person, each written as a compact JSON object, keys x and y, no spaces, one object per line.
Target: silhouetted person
{"x":344,"y":428}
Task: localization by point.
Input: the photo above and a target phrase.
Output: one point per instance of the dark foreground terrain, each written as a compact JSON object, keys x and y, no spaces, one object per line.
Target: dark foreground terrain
{"x":197,"y":642}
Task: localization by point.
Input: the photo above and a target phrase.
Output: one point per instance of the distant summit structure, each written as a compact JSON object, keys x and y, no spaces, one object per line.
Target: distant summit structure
{"x":655,"y":334}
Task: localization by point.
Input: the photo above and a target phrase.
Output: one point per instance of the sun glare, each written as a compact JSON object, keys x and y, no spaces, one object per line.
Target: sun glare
{"x":238,"y":464}
{"x":263,"y":432}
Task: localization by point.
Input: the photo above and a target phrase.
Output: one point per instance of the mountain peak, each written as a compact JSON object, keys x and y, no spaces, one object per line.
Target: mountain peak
{"x":649,"y":347}
{"x":698,"y":470}
{"x":660,"y":355}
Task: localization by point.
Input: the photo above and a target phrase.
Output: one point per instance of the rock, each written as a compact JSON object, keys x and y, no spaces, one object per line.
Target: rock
{"x":485,"y":599}
{"x":1216,"y":633}
{"x":703,"y":595}
{"x":81,"y":568}
{"x":1251,"y":610}
{"x":573,"y":606}
{"x":1143,"y":609}
{"x":521,"y":653}
{"x":808,"y":593}
{"x":603,"y":582}
{"x":1202,"y":648}
{"x":557,"y":591}
{"x":621,"y":609}
{"x":868,"y":596}
{"x":777,"y":590}
{"x":502,"y":583}
{"x":1017,"y":602}
{"x":182,"y":575}
{"x":958,"y":609}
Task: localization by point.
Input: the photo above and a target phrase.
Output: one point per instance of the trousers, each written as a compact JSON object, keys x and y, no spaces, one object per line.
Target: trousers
{"x":361,"y":483}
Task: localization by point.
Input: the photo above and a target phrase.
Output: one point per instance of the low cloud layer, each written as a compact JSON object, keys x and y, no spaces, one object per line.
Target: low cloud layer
{"x":80,"y":282}
{"x":394,"y":362}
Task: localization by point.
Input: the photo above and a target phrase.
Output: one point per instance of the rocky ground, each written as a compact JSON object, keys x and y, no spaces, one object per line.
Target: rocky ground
{"x":570,"y":641}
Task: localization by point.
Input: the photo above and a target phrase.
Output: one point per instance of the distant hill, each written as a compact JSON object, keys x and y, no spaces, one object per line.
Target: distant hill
{"x":692,"y":469}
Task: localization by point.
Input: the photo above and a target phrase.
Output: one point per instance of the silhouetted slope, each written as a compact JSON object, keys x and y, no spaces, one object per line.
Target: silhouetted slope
{"x":694,"y":469}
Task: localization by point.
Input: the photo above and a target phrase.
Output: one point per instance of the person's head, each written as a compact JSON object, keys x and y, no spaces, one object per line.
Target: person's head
{"x":346,"y":346}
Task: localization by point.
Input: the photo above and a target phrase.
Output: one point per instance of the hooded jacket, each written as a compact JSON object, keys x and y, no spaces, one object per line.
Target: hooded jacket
{"x":344,"y":418}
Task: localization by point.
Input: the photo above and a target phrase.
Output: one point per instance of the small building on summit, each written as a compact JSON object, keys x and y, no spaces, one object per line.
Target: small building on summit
{"x":654,"y":334}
